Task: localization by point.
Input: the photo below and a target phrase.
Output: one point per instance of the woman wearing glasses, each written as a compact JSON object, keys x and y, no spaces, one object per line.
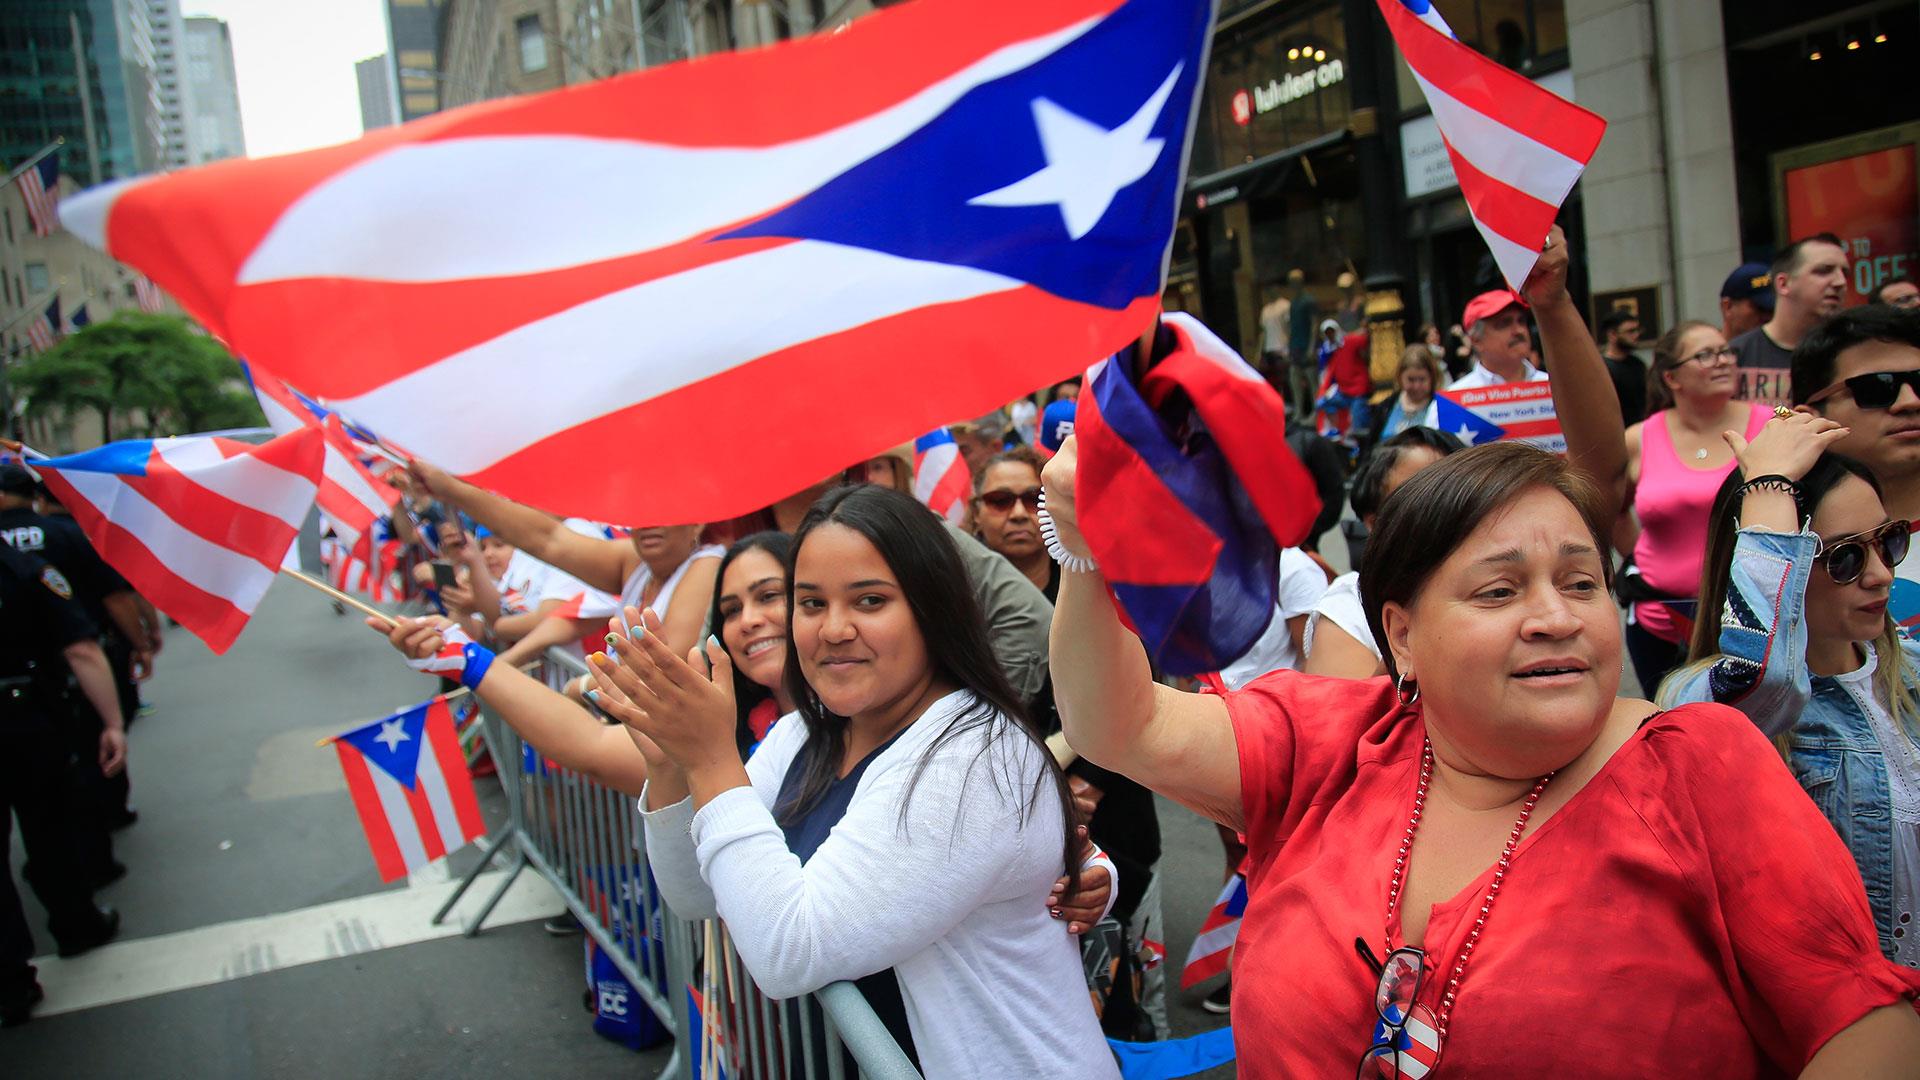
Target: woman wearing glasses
{"x":1005,"y":497}
{"x":1794,"y":632}
{"x":1676,"y":460}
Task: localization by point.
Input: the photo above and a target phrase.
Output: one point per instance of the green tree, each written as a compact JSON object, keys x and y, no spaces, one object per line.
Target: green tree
{"x":157,"y":366}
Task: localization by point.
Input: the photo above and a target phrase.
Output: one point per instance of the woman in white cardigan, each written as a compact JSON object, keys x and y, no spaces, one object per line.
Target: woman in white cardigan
{"x":902,"y":828}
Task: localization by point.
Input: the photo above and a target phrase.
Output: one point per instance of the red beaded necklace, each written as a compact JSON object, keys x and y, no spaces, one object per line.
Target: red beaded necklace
{"x":1493,"y":890}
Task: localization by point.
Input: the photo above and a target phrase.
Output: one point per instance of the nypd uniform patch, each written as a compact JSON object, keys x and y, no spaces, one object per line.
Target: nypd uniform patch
{"x":56,"y":583}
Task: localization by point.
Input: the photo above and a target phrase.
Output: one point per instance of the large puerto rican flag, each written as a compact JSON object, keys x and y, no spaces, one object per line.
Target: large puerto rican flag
{"x":409,"y":781}
{"x":197,"y":525}
{"x":937,"y":209}
{"x":1517,"y":147}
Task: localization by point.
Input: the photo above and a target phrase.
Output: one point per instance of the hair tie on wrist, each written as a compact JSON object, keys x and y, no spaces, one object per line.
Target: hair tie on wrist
{"x":1772,"y":482}
{"x":1078,"y":564}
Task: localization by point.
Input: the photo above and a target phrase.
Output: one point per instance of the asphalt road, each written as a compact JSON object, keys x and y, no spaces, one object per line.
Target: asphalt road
{"x":257,"y":939}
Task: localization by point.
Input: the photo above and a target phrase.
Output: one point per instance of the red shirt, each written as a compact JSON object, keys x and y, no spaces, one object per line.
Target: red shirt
{"x":1687,"y":912}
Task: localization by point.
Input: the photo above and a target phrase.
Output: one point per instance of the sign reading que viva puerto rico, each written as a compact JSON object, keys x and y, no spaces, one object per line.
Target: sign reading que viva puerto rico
{"x":1521,"y":411}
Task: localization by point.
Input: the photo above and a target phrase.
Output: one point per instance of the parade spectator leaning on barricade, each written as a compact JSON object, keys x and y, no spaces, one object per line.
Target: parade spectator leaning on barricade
{"x":1336,"y":638}
{"x":1466,"y":855}
{"x":1861,"y":369}
{"x":1120,"y":814}
{"x":1676,"y":460}
{"x":1809,"y":281}
{"x":661,"y":568}
{"x":1794,"y":632}
{"x":900,"y":829}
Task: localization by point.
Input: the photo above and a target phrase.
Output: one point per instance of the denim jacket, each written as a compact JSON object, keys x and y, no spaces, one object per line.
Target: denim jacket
{"x":1762,"y":671}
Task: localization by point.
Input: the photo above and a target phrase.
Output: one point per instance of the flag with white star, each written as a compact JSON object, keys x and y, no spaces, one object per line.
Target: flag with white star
{"x":1523,"y":411}
{"x":409,"y":782}
{"x":931,"y":212}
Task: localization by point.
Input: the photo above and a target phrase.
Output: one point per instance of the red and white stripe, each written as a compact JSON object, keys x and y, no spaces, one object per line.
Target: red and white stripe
{"x":202,"y":534}
{"x":942,"y":481}
{"x":42,"y":204}
{"x":381,"y":274}
{"x":590,"y":604}
{"x":1517,"y":147}
{"x":40,"y":332}
{"x":147,"y":294}
{"x":1525,"y":410}
{"x":407,"y":828}
{"x":350,"y":496}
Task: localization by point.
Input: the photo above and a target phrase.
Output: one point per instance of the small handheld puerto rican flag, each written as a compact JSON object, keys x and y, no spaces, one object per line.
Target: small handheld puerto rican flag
{"x":1187,"y":493}
{"x":1214,"y":943}
{"x":409,"y":782}
{"x":940,"y":476}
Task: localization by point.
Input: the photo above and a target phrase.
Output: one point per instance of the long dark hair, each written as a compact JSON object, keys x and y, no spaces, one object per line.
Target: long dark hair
{"x":923,"y":559}
{"x":1723,"y":531}
{"x":748,"y":694}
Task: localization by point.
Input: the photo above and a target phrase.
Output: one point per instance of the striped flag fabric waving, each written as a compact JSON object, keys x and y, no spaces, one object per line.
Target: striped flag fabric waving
{"x":1517,"y":148}
{"x":751,"y":225}
{"x":198,"y":525}
{"x":1213,"y":945}
{"x":44,"y":330}
{"x":147,"y":294}
{"x":940,"y":476}
{"x":409,"y":782}
{"x":40,"y":187}
{"x":349,"y":495}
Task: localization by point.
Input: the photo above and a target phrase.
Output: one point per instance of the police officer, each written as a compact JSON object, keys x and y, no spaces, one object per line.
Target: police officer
{"x":44,"y":635}
{"x":100,"y":803}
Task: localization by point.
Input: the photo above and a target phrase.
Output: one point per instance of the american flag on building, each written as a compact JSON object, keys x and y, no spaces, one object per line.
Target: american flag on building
{"x":147,"y":294}
{"x":39,"y":185}
{"x":45,"y":327}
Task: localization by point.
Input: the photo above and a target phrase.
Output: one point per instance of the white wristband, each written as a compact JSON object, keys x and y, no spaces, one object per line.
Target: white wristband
{"x":1078,"y":564}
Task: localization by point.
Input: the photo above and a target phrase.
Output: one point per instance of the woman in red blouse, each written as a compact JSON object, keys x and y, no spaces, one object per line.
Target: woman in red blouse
{"x":1487,"y":864}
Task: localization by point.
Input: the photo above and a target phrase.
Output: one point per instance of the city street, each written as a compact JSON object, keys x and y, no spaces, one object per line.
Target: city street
{"x":257,"y":940}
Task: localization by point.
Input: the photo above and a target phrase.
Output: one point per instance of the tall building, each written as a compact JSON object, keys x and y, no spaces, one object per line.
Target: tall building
{"x":108,"y":107}
{"x":375,"y":76}
{"x":413,"y":47}
{"x":168,"y":31}
{"x":212,"y":93}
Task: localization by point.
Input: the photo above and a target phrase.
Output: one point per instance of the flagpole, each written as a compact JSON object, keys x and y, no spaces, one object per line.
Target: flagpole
{"x":338,"y":596}
{"x":35,"y":308}
{"x":35,"y":160}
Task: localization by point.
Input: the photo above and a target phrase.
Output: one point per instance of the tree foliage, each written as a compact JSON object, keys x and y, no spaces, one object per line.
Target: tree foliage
{"x":146,"y":375}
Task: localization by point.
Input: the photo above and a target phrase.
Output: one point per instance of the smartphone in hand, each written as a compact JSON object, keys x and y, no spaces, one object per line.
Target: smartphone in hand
{"x":443,"y":576}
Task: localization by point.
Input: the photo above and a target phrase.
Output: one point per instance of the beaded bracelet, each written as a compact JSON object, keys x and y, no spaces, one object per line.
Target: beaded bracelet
{"x":1078,"y":564}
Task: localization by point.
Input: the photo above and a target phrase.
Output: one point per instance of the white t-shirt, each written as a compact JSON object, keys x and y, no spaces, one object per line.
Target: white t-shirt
{"x":1302,"y":584}
{"x":1026,"y":420}
{"x":1480,"y":376}
{"x":949,"y":894}
{"x":1902,"y":759}
{"x":1340,"y":605}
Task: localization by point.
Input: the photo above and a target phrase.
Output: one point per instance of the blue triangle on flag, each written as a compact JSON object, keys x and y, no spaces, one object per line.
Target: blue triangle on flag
{"x":394,"y":743}
{"x":1456,"y":419}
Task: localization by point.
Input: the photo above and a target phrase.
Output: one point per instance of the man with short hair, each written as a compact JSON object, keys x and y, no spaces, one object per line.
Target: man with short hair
{"x":1746,"y":299}
{"x":1861,"y":369}
{"x":982,"y":439}
{"x":1898,"y":292}
{"x":1497,"y":328}
{"x":1619,"y":336}
{"x":1809,"y":284}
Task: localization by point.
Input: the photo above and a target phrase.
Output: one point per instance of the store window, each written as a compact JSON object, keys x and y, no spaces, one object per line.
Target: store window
{"x":1273,"y":89}
{"x":533,"y":43}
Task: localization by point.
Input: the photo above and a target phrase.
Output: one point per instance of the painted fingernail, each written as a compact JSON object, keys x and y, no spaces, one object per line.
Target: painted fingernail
{"x":713,"y":640}
{"x":597,"y":658}
{"x":639,"y":631}
{"x":1055,"y":912}
{"x":593,"y":696}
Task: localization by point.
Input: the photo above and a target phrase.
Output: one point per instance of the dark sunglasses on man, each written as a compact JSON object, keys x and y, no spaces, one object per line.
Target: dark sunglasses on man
{"x":1874,"y":390}
{"x":1001,"y":502}
{"x":1845,"y":557}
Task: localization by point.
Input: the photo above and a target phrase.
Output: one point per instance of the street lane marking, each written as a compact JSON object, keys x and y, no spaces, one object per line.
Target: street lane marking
{"x":130,"y":970}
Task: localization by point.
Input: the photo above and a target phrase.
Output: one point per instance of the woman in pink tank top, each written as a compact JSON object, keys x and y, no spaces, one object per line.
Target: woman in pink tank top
{"x":1676,"y":460}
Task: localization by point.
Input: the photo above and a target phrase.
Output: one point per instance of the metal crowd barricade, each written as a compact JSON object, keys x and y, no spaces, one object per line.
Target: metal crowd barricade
{"x":586,"y":841}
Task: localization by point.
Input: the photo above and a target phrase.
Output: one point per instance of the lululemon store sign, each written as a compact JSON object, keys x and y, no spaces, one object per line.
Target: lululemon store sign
{"x":1290,"y":88}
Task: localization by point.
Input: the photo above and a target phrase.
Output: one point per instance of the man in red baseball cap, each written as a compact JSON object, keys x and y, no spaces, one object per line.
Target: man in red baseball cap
{"x":1497,"y":328}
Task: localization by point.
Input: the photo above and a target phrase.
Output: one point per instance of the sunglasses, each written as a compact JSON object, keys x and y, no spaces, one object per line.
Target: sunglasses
{"x":1874,"y":390}
{"x":1001,"y":502}
{"x":1846,"y":557}
{"x":1393,"y":1052}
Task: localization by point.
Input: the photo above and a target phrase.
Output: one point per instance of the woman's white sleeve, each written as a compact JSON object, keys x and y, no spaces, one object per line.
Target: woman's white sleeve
{"x":882,"y":887}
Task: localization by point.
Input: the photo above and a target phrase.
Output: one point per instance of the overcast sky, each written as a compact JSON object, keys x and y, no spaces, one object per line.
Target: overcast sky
{"x":295,"y":67}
